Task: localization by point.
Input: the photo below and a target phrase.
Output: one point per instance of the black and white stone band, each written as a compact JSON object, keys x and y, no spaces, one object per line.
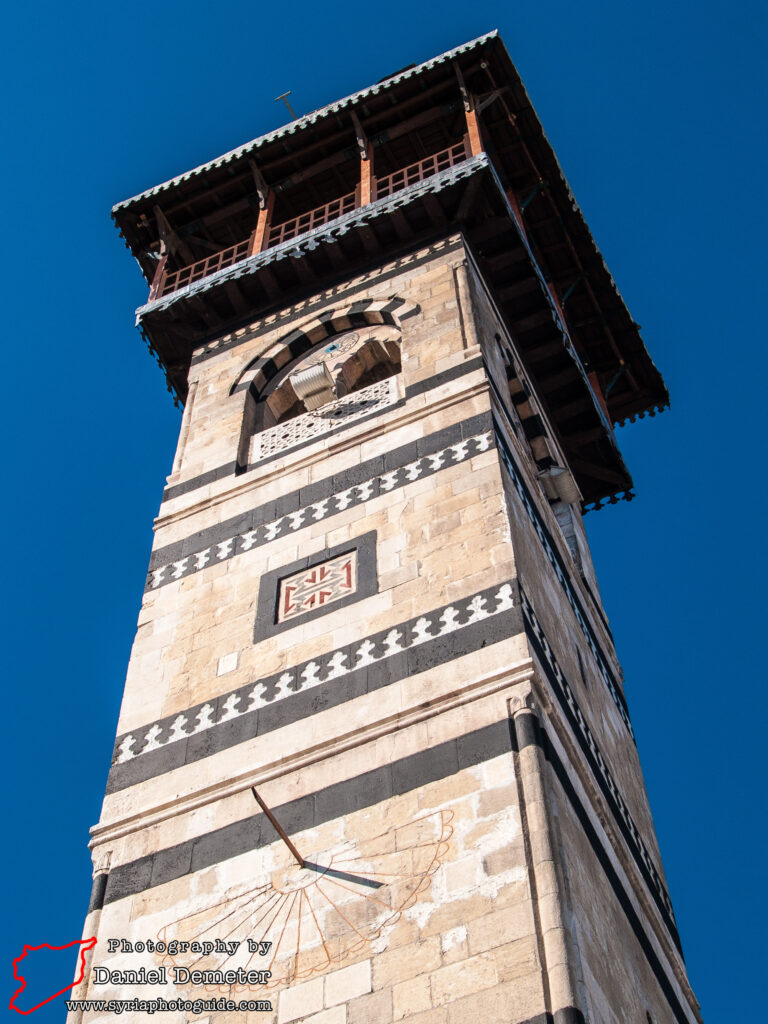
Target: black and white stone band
{"x":451,"y":446}
{"x":278,"y":519}
{"x":413,"y":646}
{"x":383,"y":783}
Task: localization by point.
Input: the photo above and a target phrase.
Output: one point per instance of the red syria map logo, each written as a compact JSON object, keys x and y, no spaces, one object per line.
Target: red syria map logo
{"x":85,"y":944}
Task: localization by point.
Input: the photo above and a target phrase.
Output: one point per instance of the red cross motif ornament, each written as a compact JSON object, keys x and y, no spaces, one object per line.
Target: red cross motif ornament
{"x":316,"y":587}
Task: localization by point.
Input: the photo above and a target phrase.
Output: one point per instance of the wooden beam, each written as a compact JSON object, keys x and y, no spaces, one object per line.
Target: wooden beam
{"x":417,"y":121}
{"x":342,"y":155}
{"x":469,"y":198}
{"x":206,"y":244}
{"x":487,"y":98}
{"x":516,"y":290}
{"x":158,"y":277}
{"x":466,"y":99}
{"x":400,"y":223}
{"x":434,"y":209}
{"x":497,"y":227}
{"x":367,"y":182}
{"x":370,"y":241}
{"x":470,"y":115}
{"x":335,"y":255}
{"x":594,"y":381}
{"x":366,"y":192}
{"x":362,"y":139}
{"x":541,"y":352}
{"x":169,"y":240}
{"x":532,"y":321}
{"x":598,"y":472}
{"x":262,"y":189}
{"x":236,"y":297}
{"x":559,"y":380}
{"x":202,"y":309}
{"x":575,"y":408}
{"x":512,"y":200}
{"x":260,"y":236}
{"x":303,"y":269}
{"x":473,"y":131}
{"x":269,"y":283}
{"x":584,"y":437}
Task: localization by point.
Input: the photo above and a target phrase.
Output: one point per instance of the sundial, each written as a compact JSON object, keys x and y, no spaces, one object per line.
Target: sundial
{"x":317,"y":910}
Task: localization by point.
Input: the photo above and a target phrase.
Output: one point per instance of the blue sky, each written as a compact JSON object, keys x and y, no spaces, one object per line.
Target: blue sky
{"x":656,"y":113}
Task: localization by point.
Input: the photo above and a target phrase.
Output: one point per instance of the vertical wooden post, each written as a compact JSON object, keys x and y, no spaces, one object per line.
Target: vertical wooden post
{"x":367,"y":180}
{"x":159,"y":277}
{"x":473,"y":131}
{"x":470,"y":114}
{"x":366,"y":192}
{"x":259,"y":239}
{"x":260,"y":236}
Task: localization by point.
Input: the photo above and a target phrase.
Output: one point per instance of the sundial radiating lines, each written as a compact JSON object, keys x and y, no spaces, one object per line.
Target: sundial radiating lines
{"x":322,"y":913}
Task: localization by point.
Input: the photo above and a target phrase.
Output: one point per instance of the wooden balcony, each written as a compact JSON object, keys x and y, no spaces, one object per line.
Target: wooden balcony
{"x":314,"y":219}
{"x":175,"y":279}
{"x":167,"y":282}
{"x":419,"y":171}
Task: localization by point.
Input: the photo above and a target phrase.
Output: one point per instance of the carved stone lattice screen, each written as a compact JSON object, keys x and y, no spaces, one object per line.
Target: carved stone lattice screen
{"x":311,"y":425}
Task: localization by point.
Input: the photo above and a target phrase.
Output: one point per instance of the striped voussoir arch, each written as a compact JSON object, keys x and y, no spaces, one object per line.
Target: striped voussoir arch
{"x":257,"y":374}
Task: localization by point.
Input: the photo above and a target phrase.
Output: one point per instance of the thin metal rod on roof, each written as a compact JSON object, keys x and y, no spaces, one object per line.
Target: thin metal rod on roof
{"x":284,"y":98}
{"x":306,"y":119}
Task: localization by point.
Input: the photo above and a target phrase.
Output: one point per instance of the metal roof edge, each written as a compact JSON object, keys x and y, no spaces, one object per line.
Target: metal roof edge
{"x":306,"y":120}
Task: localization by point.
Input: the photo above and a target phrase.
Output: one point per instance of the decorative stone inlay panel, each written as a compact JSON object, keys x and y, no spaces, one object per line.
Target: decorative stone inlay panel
{"x":311,"y":425}
{"x":314,"y":588}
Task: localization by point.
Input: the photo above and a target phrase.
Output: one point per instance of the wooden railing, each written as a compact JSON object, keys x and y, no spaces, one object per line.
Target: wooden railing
{"x":420,"y":170}
{"x":171,"y":281}
{"x":313,"y":219}
{"x":175,"y":279}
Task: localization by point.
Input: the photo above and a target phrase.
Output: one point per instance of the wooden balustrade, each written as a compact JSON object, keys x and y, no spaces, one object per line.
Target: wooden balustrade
{"x":420,"y":170}
{"x":314,"y":219}
{"x":175,"y":279}
{"x":171,"y":281}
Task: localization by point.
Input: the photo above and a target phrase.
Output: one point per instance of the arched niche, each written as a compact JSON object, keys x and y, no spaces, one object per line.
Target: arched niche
{"x":351,"y":366}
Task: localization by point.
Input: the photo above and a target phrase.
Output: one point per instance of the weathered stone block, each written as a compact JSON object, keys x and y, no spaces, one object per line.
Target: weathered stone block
{"x":348,"y":983}
{"x":411,"y":997}
{"x":300,"y":1001}
{"x":455,"y":981}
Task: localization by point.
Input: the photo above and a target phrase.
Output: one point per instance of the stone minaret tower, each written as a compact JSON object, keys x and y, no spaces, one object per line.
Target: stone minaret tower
{"x":370,"y":597}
